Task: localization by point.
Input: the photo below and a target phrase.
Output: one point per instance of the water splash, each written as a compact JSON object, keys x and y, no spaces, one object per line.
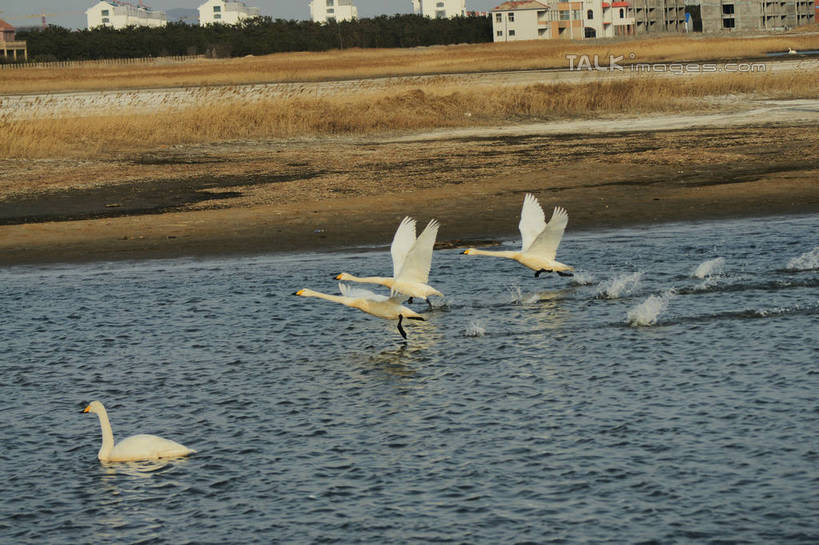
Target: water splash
{"x":475,"y":329}
{"x":647,"y":312}
{"x":710,"y":268}
{"x":618,"y":286}
{"x":805,"y":262}
{"x":583,"y":279}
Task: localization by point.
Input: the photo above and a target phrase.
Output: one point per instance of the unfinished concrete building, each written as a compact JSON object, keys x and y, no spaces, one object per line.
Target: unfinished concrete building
{"x":659,"y":16}
{"x":730,"y":15}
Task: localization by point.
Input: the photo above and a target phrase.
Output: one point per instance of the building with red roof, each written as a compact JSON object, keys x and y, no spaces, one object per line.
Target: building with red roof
{"x":10,"y":47}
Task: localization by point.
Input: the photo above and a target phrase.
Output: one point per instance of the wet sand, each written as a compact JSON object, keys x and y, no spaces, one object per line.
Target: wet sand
{"x":338,"y":193}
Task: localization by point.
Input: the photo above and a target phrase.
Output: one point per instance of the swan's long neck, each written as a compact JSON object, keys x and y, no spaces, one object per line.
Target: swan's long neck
{"x":310,"y":293}
{"x":497,"y":253}
{"x":381,"y":280}
{"x":107,"y":436}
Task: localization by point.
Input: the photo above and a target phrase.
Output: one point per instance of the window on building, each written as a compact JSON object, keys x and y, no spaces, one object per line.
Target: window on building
{"x":727,"y":9}
{"x":728,"y":23}
{"x":576,"y":14}
{"x":511,"y":32}
{"x":330,"y":3}
{"x":217,"y":15}
{"x":590,"y":15}
{"x":104,"y":13}
{"x":511,"y":18}
{"x":217,"y":9}
{"x":499,"y":33}
{"x":105,"y":20}
{"x":441,"y":14}
{"x":439,"y":5}
{"x":564,"y":15}
{"x":499,"y":17}
{"x":622,"y":13}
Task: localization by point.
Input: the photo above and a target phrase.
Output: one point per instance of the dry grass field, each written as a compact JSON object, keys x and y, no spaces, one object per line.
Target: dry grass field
{"x":356,"y":63}
{"x":401,"y":108}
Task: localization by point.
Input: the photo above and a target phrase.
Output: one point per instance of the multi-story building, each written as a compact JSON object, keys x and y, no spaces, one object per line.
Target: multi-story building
{"x":225,"y":12}
{"x":730,"y":15}
{"x":9,"y":45}
{"x":658,"y":16}
{"x":117,"y":14}
{"x":607,"y":19}
{"x":439,"y":9}
{"x":551,"y":19}
{"x":322,"y":11}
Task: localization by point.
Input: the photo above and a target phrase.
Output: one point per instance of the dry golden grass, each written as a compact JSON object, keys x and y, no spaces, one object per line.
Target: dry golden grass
{"x":396,"y":109}
{"x":357,"y":63}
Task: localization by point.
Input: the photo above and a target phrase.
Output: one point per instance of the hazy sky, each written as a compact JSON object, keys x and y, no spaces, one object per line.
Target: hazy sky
{"x":71,"y":13}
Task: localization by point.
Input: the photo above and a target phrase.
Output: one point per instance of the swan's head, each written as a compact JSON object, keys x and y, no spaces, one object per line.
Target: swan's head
{"x":300,"y":292}
{"x":344,"y":276}
{"x":94,"y":407}
{"x":469,"y":251}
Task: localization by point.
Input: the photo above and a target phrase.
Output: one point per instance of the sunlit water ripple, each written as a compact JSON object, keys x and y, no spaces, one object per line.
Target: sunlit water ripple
{"x":523,"y":410}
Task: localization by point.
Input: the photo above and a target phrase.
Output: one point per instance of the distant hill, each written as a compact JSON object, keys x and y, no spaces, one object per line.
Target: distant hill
{"x":190,"y":16}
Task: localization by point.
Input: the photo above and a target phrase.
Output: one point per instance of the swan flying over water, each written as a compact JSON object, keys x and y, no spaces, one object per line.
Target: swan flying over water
{"x":411,"y":261}
{"x":380,"y":306}
{"x":134,"y":448}
{"x":540,"y":239}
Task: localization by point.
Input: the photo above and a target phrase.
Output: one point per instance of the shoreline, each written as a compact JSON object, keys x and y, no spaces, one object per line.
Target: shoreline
{"x":357,"y":222}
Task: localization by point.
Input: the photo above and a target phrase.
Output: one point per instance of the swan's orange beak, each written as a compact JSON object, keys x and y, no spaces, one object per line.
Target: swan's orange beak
{"x":338,"y":277}
{"x":467,"y":252}
{"x":300,"y":292}
{"x":85,"y":410}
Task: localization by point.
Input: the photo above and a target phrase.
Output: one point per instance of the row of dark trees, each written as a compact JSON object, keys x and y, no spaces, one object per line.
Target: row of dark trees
{"x":258,"y":36}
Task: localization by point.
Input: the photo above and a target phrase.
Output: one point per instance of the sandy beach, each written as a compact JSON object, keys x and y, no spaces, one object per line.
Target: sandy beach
{"x":334,"y":193}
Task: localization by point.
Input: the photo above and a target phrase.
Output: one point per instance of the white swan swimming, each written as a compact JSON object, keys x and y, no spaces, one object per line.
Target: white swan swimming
{"x":381,"y":306}
{"x":540,"y":239}
{"x":134,"y":448}
{"x":411,"y":261}
{"x":792,"y":51}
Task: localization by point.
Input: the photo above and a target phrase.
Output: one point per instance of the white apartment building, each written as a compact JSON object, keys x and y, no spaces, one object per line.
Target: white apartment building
{"x":439,"y":9}
{"x":558,"y":19}
{"x":607,"y":19}
{"x":116,"y":14}
{"x":322,"y":11}
{"x":225,"y":12}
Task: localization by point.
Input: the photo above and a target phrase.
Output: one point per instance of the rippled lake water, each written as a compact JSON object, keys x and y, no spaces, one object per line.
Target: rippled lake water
{"x":668,"y":393}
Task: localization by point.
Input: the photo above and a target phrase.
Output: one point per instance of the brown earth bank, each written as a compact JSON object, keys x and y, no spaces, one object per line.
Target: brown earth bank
{"x":338,"y":193}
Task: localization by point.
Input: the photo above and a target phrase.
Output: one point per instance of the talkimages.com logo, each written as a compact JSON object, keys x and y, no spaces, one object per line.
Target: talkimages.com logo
{"x":618,"y":63}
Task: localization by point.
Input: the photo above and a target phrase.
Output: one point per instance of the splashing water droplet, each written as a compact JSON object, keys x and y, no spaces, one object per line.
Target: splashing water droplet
{"x":805,"y":262}
{"x":647,"y":312}
{"x":712,"y":267}
{"x":618,"y":286}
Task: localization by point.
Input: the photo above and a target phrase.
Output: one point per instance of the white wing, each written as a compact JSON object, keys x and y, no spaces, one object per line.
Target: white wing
{"x":356,"y":292}
{"x":546,"y":243}
{"x":532,"y":221}
{"x":419,"y":259}
{"x":401,"y":244}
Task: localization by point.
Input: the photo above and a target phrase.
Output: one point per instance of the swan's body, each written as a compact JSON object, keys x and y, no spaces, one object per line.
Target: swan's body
{"x":136,"y":447}
{"x":540,"y":239}
{"x":411,"y":261}
{"x":792,"y":51}
{"x":381,"y":306}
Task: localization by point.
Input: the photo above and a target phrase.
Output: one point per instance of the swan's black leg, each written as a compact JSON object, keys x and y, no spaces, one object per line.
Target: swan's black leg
{"x":429,"y":303}
{"x":400,"y":327}
{"x":564,"y":273}
{"x":537,"y":274}
{"x":409,"y":300}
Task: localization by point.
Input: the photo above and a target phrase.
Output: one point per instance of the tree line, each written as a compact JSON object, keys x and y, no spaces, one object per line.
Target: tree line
{"x":257,"y":36}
